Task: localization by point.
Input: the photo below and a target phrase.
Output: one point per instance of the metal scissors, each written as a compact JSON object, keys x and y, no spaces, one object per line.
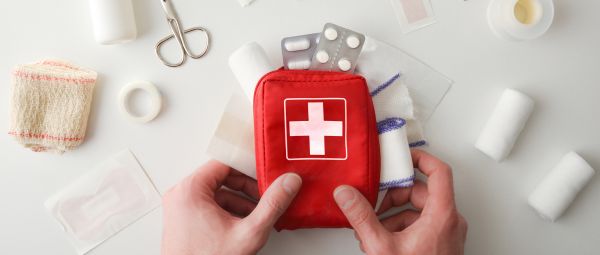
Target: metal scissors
{"x":179,"y":35}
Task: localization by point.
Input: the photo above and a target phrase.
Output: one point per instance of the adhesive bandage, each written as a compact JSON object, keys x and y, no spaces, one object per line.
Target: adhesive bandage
{"x":103,"y":202}
{"x":558,"y":189}
{"x":233,"y":141}
{"x":505,"y":124}
{"x":413,"y":14}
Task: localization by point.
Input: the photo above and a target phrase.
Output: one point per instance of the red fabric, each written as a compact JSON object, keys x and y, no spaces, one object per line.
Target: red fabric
{"x":283,"y":96}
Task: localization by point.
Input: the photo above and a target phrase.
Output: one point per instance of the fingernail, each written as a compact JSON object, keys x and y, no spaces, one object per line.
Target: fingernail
{"x":344,"y":197}
{"x":291,"y":183}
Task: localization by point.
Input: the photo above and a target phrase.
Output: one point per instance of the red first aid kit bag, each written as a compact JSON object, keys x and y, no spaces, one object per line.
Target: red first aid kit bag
{"x":322,"y":126}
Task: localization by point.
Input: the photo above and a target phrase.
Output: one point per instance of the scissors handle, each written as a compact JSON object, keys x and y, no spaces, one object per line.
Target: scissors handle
{"x":179,"y":35}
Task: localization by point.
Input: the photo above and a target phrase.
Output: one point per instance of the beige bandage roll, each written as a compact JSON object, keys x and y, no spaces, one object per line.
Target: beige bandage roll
{"x":50,"y":105}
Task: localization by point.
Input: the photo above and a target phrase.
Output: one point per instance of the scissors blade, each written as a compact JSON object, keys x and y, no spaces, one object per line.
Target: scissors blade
{"x":168,"y":8}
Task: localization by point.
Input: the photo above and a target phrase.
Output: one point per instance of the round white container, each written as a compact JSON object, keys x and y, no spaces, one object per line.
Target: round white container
{"x":113,"y":21}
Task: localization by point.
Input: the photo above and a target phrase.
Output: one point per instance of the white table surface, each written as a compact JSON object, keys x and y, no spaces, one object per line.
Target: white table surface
{"x":560,"y":70}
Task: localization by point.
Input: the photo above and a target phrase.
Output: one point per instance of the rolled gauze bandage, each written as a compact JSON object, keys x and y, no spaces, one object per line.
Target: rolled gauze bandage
{"x":396,"y":162}
{"x":249,"y":63}
{"x":113,"y":21}
{"x":558,"y":189}
{"x":50,"y":105}
{"x":506,"y":123}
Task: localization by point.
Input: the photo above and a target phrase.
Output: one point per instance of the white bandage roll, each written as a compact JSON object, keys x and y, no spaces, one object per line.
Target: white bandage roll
{"x":249,"y":63}
{"x":396,"y":162}
{"x":505,"y":124}
{"x":113,"y":21}
{"x":558,"y":189}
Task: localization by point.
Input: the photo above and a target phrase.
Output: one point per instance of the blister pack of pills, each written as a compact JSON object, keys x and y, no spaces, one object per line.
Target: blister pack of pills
{"x":338,"y":49}
{"x":298,"y":51}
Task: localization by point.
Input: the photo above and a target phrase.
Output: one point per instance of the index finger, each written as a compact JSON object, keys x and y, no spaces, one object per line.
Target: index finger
{"x":439,"y":179}
{"x":208,"y":178}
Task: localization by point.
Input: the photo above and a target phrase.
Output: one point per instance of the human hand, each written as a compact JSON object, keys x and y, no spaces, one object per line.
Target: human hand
{"x":436,"y":227}
{"x":201,"y":217}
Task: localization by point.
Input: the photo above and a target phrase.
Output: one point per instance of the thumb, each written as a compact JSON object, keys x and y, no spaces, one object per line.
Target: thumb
{"x":275,"y":201}
{"x":359,"y":212}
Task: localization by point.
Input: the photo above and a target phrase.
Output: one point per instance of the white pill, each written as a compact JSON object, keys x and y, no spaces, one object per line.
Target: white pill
{"x":322,"y":57}
{"x":344,"y":64}
{"x":301,"y":64}
{"x":331,"y":34}
{"x":297,"y":44}
{"x":353,"y":42}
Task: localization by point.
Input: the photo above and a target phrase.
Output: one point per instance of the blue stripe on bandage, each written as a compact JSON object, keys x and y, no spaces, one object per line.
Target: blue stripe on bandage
{"x":400,"y":183}
{"x":385,"y":85}
{"x":417,"y":144}
{"x":390,"y":124}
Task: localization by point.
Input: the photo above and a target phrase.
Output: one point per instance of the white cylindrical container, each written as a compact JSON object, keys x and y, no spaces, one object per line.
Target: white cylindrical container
{"x":519,"y":20}
{"x":505,"y":124}
{"x":558,"y":189}
{"x":249,"y":63}
{"x":113,"y":21}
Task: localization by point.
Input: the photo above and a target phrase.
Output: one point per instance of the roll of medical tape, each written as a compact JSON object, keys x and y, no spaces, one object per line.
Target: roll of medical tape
{"x":155,"y":101}
{"x":519,"y":20}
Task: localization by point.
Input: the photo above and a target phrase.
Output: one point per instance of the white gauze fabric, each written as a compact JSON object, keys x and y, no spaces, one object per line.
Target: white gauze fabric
{"x":396,"y":162}
{"x":380,"y":63}
{"x":249,"y":63}
{"x":233,"y":141}
{"x":505,"y":124}
{"x":558,"y":189}
{"x":392,"y":101}
{"x":101,"y":203}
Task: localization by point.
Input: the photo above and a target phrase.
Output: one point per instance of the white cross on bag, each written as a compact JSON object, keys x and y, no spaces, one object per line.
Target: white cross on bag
{"x":316,"y":128}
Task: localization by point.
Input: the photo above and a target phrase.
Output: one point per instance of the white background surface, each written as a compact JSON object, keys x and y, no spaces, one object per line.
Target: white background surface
{"x":560,"y":71}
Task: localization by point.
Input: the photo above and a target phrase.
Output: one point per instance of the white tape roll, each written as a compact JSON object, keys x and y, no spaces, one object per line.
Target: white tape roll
{"x":155,"y":101}
{"x":558,"y":189}
{"x":519,"y":20}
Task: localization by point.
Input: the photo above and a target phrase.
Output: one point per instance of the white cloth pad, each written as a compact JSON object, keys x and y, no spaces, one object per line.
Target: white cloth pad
{"x":505,"y":124}
{"x":380,"y":63}
{"x":103,"y":202}
{"x":558,"y":189}
{"x":233,"y":141}
{"x":249,"y":63}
